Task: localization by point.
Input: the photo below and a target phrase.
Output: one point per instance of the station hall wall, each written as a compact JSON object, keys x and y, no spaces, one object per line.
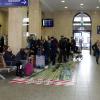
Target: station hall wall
{"x":63,"y":24}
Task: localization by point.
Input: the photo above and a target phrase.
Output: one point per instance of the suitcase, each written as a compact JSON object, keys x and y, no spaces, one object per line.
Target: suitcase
{"x":40,"y":61}
{"x":19,"y":70}
{"x":28,"y":69}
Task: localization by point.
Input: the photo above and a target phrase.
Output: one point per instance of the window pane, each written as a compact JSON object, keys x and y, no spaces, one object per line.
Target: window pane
{"x":77,"y":19}
{"x":86,"y":19}
{"x":76,"y":24}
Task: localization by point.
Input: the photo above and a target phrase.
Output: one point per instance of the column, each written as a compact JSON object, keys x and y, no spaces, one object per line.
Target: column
{"x":15,"y":28}
{"x":35,"y":17}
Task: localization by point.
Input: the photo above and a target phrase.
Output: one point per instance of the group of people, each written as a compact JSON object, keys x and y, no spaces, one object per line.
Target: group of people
{"x":52,"y":49}
{"x":96,"y":50}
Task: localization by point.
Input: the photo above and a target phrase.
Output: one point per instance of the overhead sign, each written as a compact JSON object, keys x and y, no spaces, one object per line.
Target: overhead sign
{"x":12,"y":3}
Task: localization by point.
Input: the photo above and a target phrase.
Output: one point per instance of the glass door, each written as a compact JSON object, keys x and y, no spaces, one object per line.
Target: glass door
{"x":82,"y":39}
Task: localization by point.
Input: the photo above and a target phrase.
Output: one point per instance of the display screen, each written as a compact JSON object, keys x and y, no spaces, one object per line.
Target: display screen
{"x":47,"y":22}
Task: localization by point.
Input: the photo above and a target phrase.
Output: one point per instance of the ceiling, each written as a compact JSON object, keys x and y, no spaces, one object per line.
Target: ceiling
{"x":55,"y":5}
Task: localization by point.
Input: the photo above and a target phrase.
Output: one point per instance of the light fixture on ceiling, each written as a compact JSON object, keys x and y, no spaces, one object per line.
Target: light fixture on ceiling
{"x":97,"y":7}
{"x":81,"y":4}
{"x":63,"y":1}
{"x":65,"y":7}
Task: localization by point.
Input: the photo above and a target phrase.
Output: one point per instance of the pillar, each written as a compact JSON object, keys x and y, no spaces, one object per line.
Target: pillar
{"x":35,"y":17}
{"x":15,"y":28}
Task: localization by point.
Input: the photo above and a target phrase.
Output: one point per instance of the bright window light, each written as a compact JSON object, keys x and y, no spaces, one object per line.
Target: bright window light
{"x":25,"y":24}
{"x":25,"y":20}
{"x":77,"y":19}
{"x":87,"y":24}
{"x":86,"y":19}
{"x":76,"y":24}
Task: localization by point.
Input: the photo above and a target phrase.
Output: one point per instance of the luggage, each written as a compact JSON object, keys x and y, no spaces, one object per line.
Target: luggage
{"x":40,"y":61}
{"x":19,"y":70}
{"x":28,"y":69}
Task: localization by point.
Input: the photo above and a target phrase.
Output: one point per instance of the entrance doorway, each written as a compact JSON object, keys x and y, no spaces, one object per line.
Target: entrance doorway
{"x":82,"y":39}
{"x":82,"y":25}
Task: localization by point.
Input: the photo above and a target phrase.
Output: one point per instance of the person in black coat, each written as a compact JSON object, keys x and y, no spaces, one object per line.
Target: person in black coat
{"x":46,"y":51}
{"x":62,"y":48}
{"x":73,"y":44}
{"x":94,"y":46}
{"x":68,"y":48}
{"x":97,"y":51}
{"x":1,"y":43}
{"x":9,"y":58}
{"x":21,"y":55}
{"x":53,"y":50}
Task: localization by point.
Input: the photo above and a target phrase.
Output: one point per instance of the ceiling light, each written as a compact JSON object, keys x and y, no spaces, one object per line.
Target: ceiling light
{"x":65,"y":7}
{"x":81,"y":4}
{"x":97,"y":7}
{"x":62,"y":1}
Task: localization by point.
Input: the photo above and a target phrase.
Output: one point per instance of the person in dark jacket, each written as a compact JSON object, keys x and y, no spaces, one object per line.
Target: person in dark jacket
{"x":62,"y":48}
{"x":53,"y":50}
{"x":1,"y":44}
{"x":73,"y":44}
{"x":46,"y":51}
{"x":9,"y":58}
{"x":68,"y":48}
{"x":94,"y":46}
{"x":21,"y":55}
{"x":97,"y":51}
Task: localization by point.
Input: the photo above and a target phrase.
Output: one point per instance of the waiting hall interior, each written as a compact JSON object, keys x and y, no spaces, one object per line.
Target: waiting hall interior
{"x":49,"y":49}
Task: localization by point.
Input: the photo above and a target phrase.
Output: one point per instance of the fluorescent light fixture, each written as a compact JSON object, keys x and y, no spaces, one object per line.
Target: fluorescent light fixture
{"x":97,"y":7}
{"x":66,"y":7}
{"x":81,"y":4}
{"x":62,"y":1}
{"x":25,"y":24}
{"x":25,"y":20}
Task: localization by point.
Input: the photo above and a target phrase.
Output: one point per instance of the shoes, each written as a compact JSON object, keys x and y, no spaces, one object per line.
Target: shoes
{"x":97,"y":63}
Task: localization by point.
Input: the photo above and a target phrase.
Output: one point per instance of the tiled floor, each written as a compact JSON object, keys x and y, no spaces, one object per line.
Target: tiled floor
{"x":87,"y":86}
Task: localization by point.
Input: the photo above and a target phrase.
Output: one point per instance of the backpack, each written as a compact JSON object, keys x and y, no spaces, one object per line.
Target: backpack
{"x":19,"y":70}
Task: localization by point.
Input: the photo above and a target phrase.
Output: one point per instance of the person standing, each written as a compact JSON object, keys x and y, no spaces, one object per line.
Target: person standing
{"x":68,"y":48}
{"x":80,"y":43}
{"x":73,"y":44}
{"x":97,"y":51}
{"x":1,"y":43}
{"x":53,"y":50}
{"x":46,"y":51}
{"x":62,"y":48}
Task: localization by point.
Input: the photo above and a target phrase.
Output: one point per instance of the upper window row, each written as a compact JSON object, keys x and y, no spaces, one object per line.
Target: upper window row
{"x":84,"y":19}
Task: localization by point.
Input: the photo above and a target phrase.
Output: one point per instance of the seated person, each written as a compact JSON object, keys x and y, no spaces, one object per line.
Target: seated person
{"x":21,"y":55}
{"x":9,"y":57}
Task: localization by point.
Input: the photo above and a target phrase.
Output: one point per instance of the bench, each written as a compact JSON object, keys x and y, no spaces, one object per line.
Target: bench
{"x":4,"y":67}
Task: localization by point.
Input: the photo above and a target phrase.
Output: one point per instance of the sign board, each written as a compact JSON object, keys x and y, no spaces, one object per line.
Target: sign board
{"x":12,"y":3}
